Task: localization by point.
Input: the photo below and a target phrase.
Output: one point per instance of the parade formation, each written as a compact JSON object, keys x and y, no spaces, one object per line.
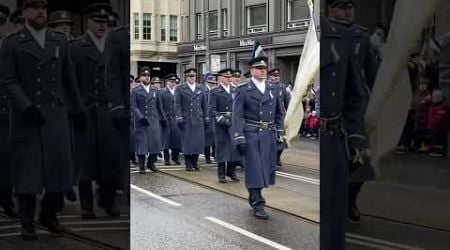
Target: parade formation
{"x":59,"y":126}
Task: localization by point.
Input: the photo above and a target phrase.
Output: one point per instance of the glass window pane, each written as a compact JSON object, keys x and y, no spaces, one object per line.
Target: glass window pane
{"x":258,"y":15}
{"x":224,"y":19}
{"x":147,"y":26}
{"x":173,"y":28}
{"x":298,"y":10}
{"x":163,"y":28}
{"x":213,"y":20}
{"x":136,"y":26}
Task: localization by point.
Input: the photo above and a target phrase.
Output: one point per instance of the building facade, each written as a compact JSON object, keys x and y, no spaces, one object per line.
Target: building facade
{"x":154,"y":34}
{"x":279,"y":25}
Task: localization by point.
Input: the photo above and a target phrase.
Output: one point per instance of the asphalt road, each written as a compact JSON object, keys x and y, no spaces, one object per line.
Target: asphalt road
{"x":169,"y":213}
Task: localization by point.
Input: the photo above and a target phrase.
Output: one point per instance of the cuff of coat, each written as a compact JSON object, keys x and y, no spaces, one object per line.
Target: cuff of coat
{"x":357,"y":141}
{"x":240,"y":139}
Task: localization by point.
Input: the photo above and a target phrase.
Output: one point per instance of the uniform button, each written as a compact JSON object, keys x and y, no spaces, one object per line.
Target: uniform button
{"x":38,"y":92}
{"x":146,"y":106}
{"x":38,"y":80}
{"x":333,"y":93}
{"x":226,"y":107}
{"x":38,"y":67}
{"x":333,"y":74}
{"x":260,"y":113}
{"x":53,"y":79}
{"x":38,"y":106}
{"x":191,"y":110}
{"x":96,"y":80}
{"x":3,"y":109}
{"x":53,"y":66}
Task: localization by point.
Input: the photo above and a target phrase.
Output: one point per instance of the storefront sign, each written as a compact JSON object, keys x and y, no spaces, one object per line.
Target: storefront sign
{"x":199,"y":47}
{"x":246,"y":42}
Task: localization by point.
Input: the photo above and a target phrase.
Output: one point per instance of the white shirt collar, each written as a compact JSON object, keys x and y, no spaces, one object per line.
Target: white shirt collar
{"x":192,"y":86}
{"x":172,"y":90}
{"x":261,"y":85}
{"x":38,"y":35}
{"x":99,"y":42}
{"x":226,"y":87}
{"x":147,"y":88}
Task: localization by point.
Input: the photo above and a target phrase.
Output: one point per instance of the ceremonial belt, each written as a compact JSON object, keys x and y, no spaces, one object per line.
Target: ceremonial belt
{"x":225,"y":113}
{"x":331,"y":124}
{"x":260,"y":124}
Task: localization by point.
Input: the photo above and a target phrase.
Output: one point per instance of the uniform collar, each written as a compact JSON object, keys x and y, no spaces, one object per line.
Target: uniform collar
{"x":38,"y":35}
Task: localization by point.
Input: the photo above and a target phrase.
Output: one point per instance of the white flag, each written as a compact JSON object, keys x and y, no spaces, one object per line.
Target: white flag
{"x":391,"y":96}
{"x":307,"y":69}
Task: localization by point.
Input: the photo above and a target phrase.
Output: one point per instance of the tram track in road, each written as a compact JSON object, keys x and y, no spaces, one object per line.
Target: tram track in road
{"x":72,"y":234}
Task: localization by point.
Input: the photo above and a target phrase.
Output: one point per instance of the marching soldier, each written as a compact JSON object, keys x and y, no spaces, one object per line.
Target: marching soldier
{"x":61,"y":21}
{"x":172,"y":136}
{"x":6,"y":202}
{"x":113,"y":20}
{"x":341,"y":114}
{"x":96,"y":147}
{"x":256,"y":120}
{"x":192,"y":116}
{"x":17,"y":19}
{"x":210,"y":83}
{"x":132,"y":145}
{"x":156,"y":82}
{"x":236,"y":78}
{"x":221,"y":108}
{"x":280,"y":89}
{"x":367,"y":66}
{"x":149,"y":119}
{"x":36,"y":72}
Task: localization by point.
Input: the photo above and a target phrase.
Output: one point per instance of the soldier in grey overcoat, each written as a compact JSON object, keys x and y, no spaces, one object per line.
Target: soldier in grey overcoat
{"x":257,"y":119}
{"x":191,"y":110}
{"x":36,"y":72}
{"x":342,"y":135}
{"x":210,"y":149}
{"x":149,"y":117}
{"x":172,"y":135}
{"x":221,"y":109}
{"x":97,"y":149}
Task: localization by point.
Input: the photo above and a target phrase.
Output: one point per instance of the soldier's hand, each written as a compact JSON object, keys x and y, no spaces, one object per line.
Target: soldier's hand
{"x":360,"y":156}
{"x":242,"y":148}
{"x":34,"y":115}
{"x":227,"y":122}
{"x":144,"y":122}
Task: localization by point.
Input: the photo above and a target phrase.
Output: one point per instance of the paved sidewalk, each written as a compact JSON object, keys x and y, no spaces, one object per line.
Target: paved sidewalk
{"x":303,"y":152}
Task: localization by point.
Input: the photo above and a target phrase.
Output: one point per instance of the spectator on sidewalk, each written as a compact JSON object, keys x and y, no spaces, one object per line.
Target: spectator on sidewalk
{"x":438,"y":124}
{"x":312,"y":125}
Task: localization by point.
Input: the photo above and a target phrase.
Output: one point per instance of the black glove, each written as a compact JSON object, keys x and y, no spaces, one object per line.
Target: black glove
{"x":227,"y":122}
{"x":34,"y":115}
{"x":242,"y":148}
{"x":144,"y":122}
{"x":121,"y":120}
{"x":163,"y":123}
{"x":79,"y":120}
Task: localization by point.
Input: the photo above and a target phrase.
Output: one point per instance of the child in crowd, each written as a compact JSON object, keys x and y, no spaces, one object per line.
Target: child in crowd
{"x":438,"y":124}
{"x":312,"y":125}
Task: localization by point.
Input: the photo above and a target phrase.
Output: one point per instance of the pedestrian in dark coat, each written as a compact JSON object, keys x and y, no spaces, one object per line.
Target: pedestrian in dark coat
{"x":221,"y":108}
{"x":256,"y":120}
{"x":341,"y":104}
{"x":97,"y":148}
{"x":191,"y":112}
{"x":172,"y":135}
{"x":149,"y":118}
{"x":36,"y":72}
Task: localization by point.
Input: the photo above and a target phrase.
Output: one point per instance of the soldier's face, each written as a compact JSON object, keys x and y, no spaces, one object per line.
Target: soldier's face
{"x":350,"y":14}
{"x":98,"y":28}
{"x":171,"y":84}
{"x":225,"y":80}
{"x":36,"y":16}
{"x":145,"y":79}
{"x":275,"y":79}
{"x":65,"y":28}
{"x":259,"y":73}
{"x":235,"y":80}
{"x":337,"y":13}
{"x":191,"y":79}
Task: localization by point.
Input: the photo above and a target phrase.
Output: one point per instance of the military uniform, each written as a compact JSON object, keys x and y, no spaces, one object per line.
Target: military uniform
{"x":256,"y":119}
{"x":192,"y":116}
{"x":149,"y":118}
{"x":210,"y":149}
{"x":281,"y":91}
{"x":341,"y":116}
{"x":97,"y":149}
{"x":172,"y":135}
{"x":221,"y":108}
{"x":40,"y":79}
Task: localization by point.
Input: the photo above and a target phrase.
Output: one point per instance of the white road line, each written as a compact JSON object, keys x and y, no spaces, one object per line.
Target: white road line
{"x":77,"y":216}
{"x":95,"y":222}
{"x":247,"y":233}
{"x":17,"y":233}
{"x":298,"y":178}
{"x":153,"y":195}
{"x":379,"y":242}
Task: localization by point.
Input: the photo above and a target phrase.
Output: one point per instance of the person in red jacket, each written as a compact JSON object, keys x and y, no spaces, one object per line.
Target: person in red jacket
{"x":438,"y":124}
{"x":421,"y":107}
{"x":312,"y":125}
